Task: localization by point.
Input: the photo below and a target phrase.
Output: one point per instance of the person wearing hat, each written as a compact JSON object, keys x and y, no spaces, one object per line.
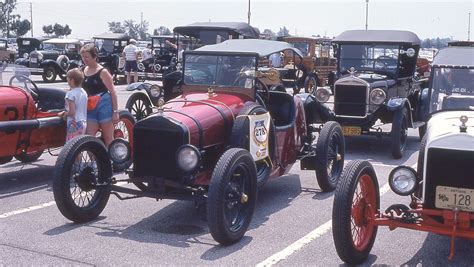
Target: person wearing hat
{"x":130,"y":52}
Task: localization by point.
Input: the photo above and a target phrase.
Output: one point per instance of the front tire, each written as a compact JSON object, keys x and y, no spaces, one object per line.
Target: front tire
{"x":330,"y":150}
{"x":81,"y":179}
{"x":232,"y":196}
{"x":356,"y":202}
{"x":139,"y":105}
{"x":399,"y":133}
{"x":310,"y":84}
{"x":49,"y":74}
{"x":29,"y":157}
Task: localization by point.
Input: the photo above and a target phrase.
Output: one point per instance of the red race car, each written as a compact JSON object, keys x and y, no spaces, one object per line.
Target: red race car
{"x":29,"y":122}
{"x":216,"y":144}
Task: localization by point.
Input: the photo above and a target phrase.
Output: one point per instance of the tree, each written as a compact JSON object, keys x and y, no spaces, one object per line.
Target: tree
{"x":143,"y":31}
{"x":48,"y":29}
{"x":116,"y":27}
{"x":10,"y":22}
{"x":21,"y":27}
{"x":268,"y":34}
{"x":283,"y":32}
{"x":67,"y":30}
{"x":58,"y":29}
{"x":162,"y":30}
{"x":132,"y":29}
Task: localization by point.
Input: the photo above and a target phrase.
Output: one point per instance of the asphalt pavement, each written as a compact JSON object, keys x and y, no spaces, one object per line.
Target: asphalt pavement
{"x":291,"y":225}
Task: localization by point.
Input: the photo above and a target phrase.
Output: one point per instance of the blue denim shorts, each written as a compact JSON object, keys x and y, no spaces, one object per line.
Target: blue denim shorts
{"x":103,"y":111}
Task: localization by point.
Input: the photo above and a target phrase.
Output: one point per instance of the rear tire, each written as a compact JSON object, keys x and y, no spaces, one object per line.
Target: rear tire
{"x":330,"y":150}
{"x":232,"y":196}
{"x":30,"y":156}
{"x":81,"y":175}
{"x":352,"y":212}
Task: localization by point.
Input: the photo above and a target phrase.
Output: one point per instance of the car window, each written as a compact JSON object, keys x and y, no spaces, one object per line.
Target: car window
{"x":217,"y":70}
{"x":105,"y":46}
{"x":52,"y":46}
{"x":3,"y":45}
{"x":304,"y":47}
{"x":376,"y":58}
{"x":452,"y":89}
{"x":25,"y":42}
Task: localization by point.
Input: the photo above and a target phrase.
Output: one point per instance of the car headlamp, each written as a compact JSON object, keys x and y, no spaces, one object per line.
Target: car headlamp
{"x":25,"y":55}
{"x":119,"y":151}
{"x":188,"y":158}
{"x":322,"y":95}
{"x":157,"y":67}
{"x":40,"y":56}
{"x":403,"y":180}
{"x":155,"y":91}
{"x":377,"y":96}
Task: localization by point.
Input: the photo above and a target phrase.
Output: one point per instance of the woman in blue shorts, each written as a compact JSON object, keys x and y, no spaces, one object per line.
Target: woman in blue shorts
{"x":102,"y":104}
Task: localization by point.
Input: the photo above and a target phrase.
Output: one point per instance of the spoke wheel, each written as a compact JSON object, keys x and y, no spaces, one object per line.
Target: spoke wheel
{"x":232,"y":196}
{"x":49,"y":75}
{"x":311,"y":84}
{"x":124,"y":129}
{"x":356,"y":203}
{"x":330,"y":150}
{"x":139,"y":105}
{"x":81,"y":179}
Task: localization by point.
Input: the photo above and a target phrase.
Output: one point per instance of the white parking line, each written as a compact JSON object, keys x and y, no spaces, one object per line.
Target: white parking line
{"x":25,"y":210}
{"x":305,"y":240}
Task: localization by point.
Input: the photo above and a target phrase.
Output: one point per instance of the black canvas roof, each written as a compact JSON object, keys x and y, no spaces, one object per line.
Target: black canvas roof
{"x":377,"y":36}
{"x":114,"y":36}
{"x":455,"y":57}
{"x":241,"y":28}
{"x":261,"y":47}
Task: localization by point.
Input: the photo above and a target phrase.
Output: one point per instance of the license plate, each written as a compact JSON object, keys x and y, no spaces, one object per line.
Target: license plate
{"x":351,"y":130}
{"x":33,"y":60}
{"x":451,"y":197}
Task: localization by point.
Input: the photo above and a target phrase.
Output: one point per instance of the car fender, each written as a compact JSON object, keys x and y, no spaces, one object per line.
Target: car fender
{"x":50,"y":63}
{"x":22,"y":62}
{"x":423,"y":105}
{"x":144,"y":88}
{"x":315,"y":112}
{"x":396,"y":104}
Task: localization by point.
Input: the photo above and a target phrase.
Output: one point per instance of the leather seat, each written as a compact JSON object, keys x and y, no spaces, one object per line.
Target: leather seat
{"x":51,"y":99}
{"x":282,"y":108}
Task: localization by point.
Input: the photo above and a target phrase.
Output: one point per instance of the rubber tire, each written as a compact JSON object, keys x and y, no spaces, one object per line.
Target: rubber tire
{"x":61,"y":179}
{"x":216,"y":195}
{"x":139,"y":96}
{"x":310,"y":78}
{"x":54,"y":74}
{"x":422,"y":131}
{"x":397,"y":145}
{"x":63,"y":77}
{"x":125,"y":115}
{"x":341,"y":212}
{"x":240,"y":138}
{"x":6,"y":159}
{"x":330,"y":129}
{"x":29,"y":157}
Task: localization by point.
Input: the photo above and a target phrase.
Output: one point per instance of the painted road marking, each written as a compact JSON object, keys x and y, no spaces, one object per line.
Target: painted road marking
{"x":305,"y":240}
{"x":37,"y":207}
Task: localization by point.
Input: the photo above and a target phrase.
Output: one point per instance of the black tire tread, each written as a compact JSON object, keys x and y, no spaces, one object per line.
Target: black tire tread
{"x":397,"y":122}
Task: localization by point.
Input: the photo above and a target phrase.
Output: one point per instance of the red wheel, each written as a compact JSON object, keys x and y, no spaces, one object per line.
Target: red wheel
{"x":356,"y":202}
{"x":124,"y":128}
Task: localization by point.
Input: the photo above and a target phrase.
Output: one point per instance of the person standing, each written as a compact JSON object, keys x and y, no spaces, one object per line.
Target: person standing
{"x":147,"y":55}
{"x":102,"y":98}
{"x":76,"y":105}
{"x":276,"y":60}
{"x":130,"y":53}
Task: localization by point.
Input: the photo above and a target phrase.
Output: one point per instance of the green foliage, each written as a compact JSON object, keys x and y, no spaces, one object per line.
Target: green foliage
{"x":283,"y":32}
{"x":48,"y":29}
{"x":58,"y":30}
{"x":435,"y":42}
{"x":21,"y":27}
{"x":9,"y":22}
{"x":132,"y":29}
{"x":162,"y":30}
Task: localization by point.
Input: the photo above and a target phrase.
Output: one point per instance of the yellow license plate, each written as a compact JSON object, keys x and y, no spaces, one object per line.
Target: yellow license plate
{"x":451,"y":198}
{"x":351,"y":130}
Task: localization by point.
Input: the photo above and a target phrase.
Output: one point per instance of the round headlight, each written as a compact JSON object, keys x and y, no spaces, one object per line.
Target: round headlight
{"x":25,"y":55}
{"x":403,"y":180}
{"x":377,"y":96}
{"x":40,"y":56}
{"x":322,"y":95}
{"x":157,"y":67}
{"x":119,"y":151}
{"x":187,"y":158}
{"x":155,"y":91}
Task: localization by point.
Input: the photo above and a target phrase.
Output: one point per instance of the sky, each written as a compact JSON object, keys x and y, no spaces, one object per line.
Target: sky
{"x":428,"y":19}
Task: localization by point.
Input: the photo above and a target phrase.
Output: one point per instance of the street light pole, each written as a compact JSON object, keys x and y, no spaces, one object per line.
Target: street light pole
{"x":366,"y":14}
{"x":469,"y":28}
{"x":249,"y":14}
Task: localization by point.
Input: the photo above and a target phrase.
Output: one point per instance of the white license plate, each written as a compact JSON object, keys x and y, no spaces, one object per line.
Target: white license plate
{"x":451,"y":197}
{"x":33,"y":60}
{"x":351,"y":130}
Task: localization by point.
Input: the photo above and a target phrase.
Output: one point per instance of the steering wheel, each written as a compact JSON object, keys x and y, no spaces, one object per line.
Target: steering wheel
{"x":383,"y":58}
{"x":34,"y":92}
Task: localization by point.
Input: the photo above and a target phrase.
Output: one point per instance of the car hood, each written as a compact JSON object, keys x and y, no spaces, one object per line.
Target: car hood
{"x":46,"y":52}
{"x":12,"y":101}
{"x":374,"y":80}
{"x":443,"y":130}
{"x":208,"y":117}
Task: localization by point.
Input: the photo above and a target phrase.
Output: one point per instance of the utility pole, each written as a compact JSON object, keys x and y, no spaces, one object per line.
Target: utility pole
{"x":31,"y":18}
{"x":469,"y":28}
{"x":8,"y":24}
{"x":141,"y":23}
{"x":366,"y":14}
{"x":249,"y":14}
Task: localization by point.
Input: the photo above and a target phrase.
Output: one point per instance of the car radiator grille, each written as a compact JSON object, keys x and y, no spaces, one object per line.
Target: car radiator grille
{"x":445,"y":167}
{"x":350,"y":100}
{"x":156,"y":140}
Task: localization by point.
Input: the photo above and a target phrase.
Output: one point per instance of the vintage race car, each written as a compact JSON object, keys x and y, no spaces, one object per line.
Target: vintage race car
{"x":216,"y":144}
{"x":29,"y":122}
{"x":442,"y":187}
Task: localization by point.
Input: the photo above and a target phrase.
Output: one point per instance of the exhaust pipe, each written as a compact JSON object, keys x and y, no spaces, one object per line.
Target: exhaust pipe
{"x":21,"y":125}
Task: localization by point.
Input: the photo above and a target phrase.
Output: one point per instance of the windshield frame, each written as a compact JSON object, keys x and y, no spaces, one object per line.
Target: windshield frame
{"x":431,"y":89}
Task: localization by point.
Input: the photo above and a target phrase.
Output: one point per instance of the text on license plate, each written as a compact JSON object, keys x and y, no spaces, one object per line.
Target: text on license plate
{"x":451,"y":197}
{"x":33,"y":60}
{"x":351,"y":130}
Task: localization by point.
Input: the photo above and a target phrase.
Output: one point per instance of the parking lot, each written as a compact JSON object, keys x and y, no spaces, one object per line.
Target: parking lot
{"x":290,"y":227}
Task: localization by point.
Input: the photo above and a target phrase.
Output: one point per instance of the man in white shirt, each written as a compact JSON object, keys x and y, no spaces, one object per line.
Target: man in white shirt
{"x":130,"y":52}
{"x":275,"y":60}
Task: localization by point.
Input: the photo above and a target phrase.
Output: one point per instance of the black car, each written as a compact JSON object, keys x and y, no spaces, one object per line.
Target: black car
{"x":165,"y":56}
{"x":28,"y":44}
{"x":110,"y":47}
{"x":54,"y":58}
{"x":375,"y":80}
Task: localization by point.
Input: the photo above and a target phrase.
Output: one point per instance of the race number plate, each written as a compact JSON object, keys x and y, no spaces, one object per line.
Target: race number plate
{"x":451,"y":197}
{"x":33,"y":60}
{"x":351,"y":130}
